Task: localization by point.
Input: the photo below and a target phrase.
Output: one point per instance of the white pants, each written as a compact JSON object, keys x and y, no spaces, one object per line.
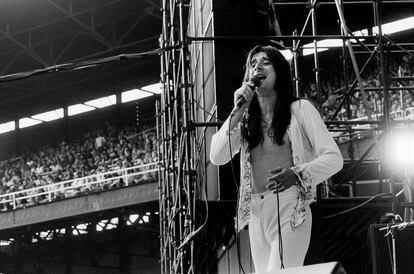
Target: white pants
{"x":264,"y":235}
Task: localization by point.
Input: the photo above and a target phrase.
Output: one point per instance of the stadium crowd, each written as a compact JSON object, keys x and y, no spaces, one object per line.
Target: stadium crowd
{"x":333,"y":92}
{"x":96,"y":152}
{"x":110,"y":149}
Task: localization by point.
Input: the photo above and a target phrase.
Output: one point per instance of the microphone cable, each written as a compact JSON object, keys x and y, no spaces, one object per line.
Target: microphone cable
{"x":237,"y":208}
{"x":279,"y":231}
{"x":237,"y":199}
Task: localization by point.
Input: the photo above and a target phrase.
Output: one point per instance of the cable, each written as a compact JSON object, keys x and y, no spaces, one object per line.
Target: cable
{"x":83,"y":64}
{"x":356,"y":207}
{"x":175,"y":211}
{"x":237,"y":199}
{"x":279,"y":231}
{"x":231,"y":162}
{"x":193,"y":233}
{"x":389,"y":247}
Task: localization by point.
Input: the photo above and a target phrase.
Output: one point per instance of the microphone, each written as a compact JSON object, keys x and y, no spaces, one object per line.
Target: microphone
{"x":256,"y":81}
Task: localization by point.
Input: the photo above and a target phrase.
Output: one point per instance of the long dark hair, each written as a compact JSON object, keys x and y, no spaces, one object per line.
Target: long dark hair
{"x":251,"y":125}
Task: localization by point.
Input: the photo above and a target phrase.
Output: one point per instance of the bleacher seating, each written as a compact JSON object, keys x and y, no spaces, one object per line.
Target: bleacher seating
{"x":103,"y":159}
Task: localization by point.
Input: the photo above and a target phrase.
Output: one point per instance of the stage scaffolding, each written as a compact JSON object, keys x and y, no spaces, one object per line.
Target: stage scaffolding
{"x":177,"y":119}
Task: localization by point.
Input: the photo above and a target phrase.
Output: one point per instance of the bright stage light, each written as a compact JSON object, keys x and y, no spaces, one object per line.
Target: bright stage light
{"x":399,"y":149}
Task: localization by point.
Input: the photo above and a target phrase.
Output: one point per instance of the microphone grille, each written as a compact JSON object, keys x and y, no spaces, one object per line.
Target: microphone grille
{"x":255,"y":79}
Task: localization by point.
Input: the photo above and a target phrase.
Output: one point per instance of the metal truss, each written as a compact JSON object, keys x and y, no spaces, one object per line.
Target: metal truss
{"x":177,"y":180}
{"x":85,"y":21}
{"x":177,"y":183}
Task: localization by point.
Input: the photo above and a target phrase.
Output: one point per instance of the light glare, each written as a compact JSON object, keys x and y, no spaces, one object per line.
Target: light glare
{"x":287,"y":53}
{"x":102,"y":102}
{"x":134,"y":94}
{"x":153,"y":88}
{"x":28,"y":122}
{"x":6,"y":127}
{"x":132,"y":219}
{"x":396,"y":26}
{"x":49,"y":115}
{"x":400,"y":149}
{"x":78,"y":109}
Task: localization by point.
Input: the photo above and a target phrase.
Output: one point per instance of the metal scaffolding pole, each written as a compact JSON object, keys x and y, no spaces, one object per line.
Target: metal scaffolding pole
{"x":296,"y":65}
{"x":316,"y":69}
{"x":176,"y":113}
{"x":176,"y":183}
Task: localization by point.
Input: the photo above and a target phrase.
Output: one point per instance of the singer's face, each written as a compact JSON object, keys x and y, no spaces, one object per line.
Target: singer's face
{"x":260,"y":64}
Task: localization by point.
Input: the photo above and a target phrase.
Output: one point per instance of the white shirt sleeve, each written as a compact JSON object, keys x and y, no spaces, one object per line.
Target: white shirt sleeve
{"x":220,"y":149}
{"x":328,"y":159}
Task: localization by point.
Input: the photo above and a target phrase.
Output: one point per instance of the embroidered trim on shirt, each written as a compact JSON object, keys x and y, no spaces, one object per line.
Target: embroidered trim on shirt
{"x":299,"y":211}
{"x":305,"y":193}
{"x":245,"y":193}
{"x":305,"y":180}
{"x":244,"y":209}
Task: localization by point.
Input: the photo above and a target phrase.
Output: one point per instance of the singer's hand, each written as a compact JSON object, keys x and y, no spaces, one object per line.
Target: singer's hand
{"x":281,"y":179}
{"x":244,"y":91}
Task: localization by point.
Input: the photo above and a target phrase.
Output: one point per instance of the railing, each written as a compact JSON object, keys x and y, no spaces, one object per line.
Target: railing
{"x":145,"y":133}
{"x":5,"y":162}
{"x":406,"y":114}
{"x":77,"y":186}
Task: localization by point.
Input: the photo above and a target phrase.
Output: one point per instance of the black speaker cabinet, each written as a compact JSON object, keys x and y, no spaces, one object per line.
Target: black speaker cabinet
{"x":381,"y":250}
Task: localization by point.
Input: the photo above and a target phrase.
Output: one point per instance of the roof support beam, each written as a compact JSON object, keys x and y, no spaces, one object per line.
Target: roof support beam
{"x":65,"y":49}
{"x":129,"y":30}
{"x":9,"y":63}
{"x":89,"y":29}
{"x":36,"y":27}
{"x":27,"y":49}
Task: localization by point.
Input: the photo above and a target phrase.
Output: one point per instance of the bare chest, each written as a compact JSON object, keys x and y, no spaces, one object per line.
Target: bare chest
{"x":266,"y":157}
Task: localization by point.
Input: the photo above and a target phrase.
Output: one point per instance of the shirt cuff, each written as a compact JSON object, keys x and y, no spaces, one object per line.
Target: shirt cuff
{"x":304,"y":180}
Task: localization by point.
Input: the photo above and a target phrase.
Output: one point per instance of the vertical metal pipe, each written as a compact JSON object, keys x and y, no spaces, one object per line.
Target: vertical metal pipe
{"x":381,"y":63}
{"x":188,"y":182}
{"x":167,"y":66}
{"x":162,"y":180}
{"x":384,"y":81}
{"x":353,"y":59}
{"x":345,"y":58}
{"x":316,"y":55}
{"x":162,"y":209}
{"x":394,"y":253}
{"x":173,"y":105}
{"x":402,"y":103}
{"x":161,"y":196}
{"x":345,"y":69}
{"x":296,"y":64}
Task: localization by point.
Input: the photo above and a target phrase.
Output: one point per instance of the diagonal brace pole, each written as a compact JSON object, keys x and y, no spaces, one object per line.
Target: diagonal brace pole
{"x":352,"y":55}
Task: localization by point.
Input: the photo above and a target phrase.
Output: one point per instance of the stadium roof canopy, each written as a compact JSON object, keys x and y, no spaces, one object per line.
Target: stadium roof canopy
{"x":36,"y":34}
